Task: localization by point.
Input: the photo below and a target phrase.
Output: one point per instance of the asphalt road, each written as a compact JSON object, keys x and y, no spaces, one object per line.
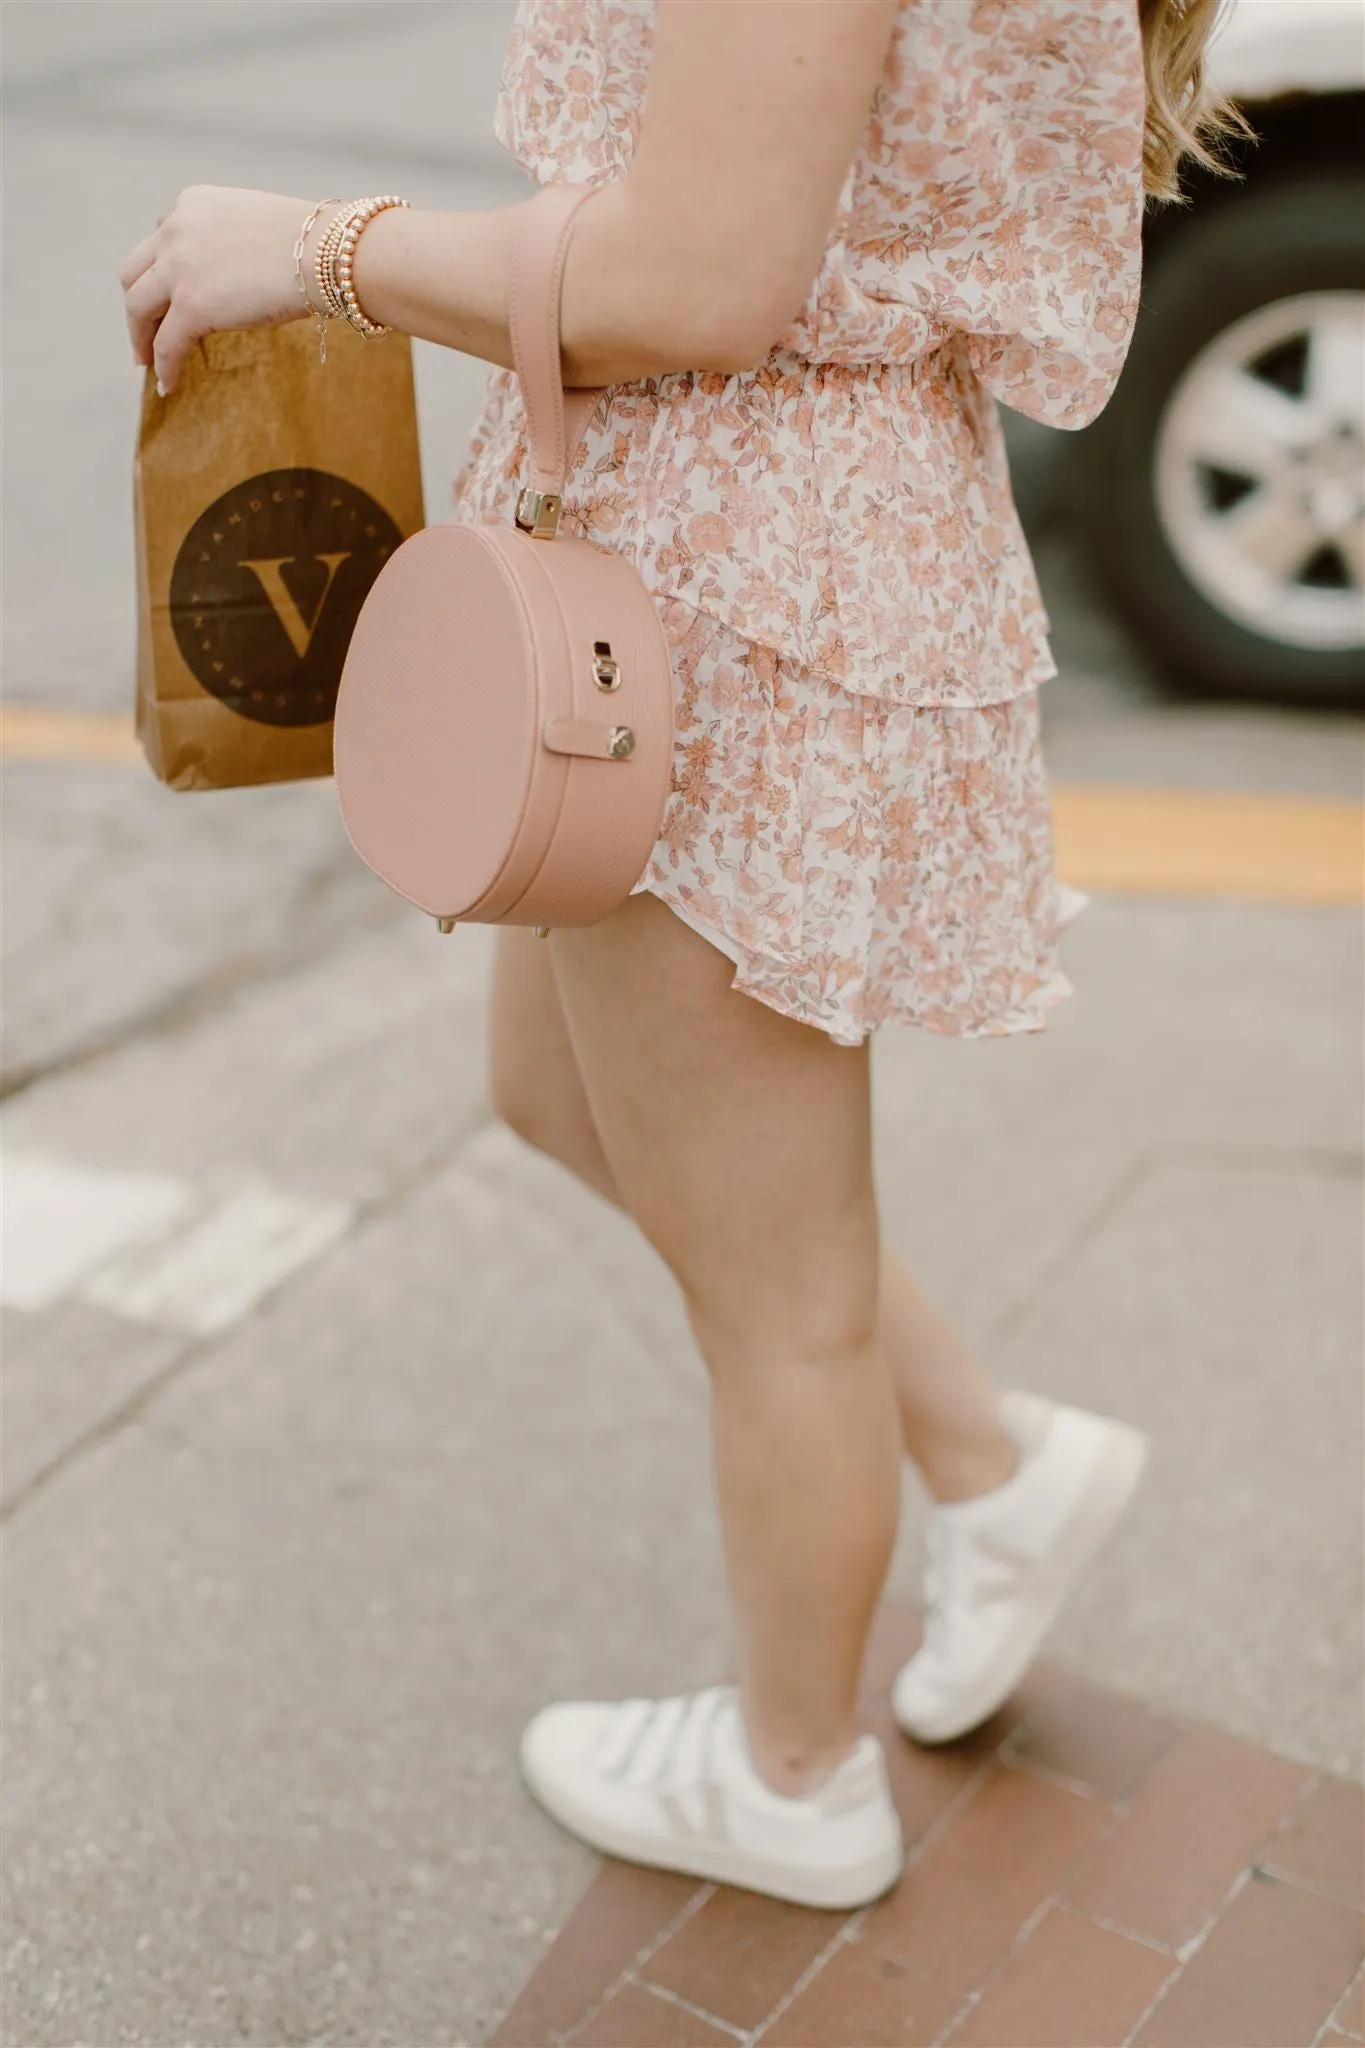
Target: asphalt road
{"x":124,"y":903}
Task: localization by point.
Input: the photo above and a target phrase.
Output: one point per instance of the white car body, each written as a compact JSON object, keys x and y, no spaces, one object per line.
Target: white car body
{"x":1269,"y":47}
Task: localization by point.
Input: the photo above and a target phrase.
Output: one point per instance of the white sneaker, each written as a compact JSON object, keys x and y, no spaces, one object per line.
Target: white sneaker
{"x":670,"y":1783}
{"x":1000,"y":1566}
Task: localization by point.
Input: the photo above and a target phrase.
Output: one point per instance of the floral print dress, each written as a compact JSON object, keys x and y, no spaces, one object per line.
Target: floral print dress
{"x":859,"y":814}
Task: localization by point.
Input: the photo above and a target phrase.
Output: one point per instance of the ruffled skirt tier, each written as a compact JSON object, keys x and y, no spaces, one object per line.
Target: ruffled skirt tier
{"x":867,"y":862}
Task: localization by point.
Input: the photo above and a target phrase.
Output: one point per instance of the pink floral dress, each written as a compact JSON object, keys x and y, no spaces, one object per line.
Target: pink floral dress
{"x":859,"y":814}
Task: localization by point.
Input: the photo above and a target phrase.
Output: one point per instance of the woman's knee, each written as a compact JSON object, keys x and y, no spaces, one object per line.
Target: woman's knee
{"x":814,"y":1310}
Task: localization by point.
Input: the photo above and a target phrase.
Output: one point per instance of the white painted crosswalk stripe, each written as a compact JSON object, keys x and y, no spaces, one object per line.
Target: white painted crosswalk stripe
{"x":217,"y":1265}
{"x":151,"y":1247}
{"x":60,"y":1222}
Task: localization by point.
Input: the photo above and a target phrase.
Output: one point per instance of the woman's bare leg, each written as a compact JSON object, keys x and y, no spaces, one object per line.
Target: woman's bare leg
{"x":740,"y":1144}
{"x":949,"y":1406}
{"x":533,"y":1074}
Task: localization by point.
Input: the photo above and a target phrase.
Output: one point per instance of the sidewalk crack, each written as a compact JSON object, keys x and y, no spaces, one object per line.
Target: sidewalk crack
{"x":143,"y":1400}
{"x":1091,"y":1226}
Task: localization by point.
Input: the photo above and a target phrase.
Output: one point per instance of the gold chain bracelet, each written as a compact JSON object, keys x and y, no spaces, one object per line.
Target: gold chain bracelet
{"x":317,"y":311}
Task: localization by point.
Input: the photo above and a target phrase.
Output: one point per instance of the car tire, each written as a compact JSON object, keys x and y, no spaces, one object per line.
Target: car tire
{"x":1210,"y":282}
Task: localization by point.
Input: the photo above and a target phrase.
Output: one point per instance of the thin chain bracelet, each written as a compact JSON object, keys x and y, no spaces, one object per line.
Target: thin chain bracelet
{"x":318,"y":314}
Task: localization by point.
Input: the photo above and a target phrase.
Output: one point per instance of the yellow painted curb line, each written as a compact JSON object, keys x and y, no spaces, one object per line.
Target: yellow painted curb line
{"x":1201,"y":842}
{"x":1110,"y":837}
{"x":33,"y":732}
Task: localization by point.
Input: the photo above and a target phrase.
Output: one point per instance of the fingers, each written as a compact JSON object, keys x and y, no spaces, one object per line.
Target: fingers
{"x":163,"y":324}
{"x":138,"y":260}
{"x":145,"y":303}
{"x":161,"y":331}
{"x":175,"y":337}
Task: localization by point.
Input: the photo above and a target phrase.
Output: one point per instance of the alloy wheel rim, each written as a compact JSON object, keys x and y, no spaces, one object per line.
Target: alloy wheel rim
{"x":1260,"y":471}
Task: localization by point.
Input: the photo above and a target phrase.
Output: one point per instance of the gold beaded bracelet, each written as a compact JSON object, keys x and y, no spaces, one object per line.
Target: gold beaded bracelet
{"x":334,"y":266}
{"x":322,"y":263}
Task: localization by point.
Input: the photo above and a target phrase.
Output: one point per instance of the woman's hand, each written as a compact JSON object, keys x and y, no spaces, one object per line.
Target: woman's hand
{"x":223,"y":259}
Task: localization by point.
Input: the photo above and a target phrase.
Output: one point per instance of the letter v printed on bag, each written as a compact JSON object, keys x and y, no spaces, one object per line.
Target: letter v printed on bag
{"x":282,"y":602}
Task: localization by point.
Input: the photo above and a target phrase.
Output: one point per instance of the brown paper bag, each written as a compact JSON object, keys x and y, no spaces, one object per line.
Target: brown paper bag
{"x":269,"y":492}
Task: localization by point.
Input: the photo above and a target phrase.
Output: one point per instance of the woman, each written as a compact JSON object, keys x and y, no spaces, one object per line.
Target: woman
{"x":831,"y":236}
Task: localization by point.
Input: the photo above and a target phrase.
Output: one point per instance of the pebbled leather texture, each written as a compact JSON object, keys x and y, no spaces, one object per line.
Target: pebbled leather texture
{"x":475,"y":643}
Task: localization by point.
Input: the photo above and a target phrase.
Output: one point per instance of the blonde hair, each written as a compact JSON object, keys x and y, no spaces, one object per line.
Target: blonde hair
{"x":1185,"y":118}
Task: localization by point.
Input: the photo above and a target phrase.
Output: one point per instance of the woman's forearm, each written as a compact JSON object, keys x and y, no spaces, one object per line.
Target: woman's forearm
{"x":698,"y":258}
{"x":444,"y":277}
{"x":632,"y":305}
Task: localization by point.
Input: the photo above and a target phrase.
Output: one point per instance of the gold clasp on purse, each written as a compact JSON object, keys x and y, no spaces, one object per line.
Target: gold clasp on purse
{"x":538,"y":514}
{"x":606,"y":669}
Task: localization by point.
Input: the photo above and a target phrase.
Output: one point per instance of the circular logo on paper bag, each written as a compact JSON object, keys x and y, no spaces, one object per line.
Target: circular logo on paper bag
{"x":268,"y":585}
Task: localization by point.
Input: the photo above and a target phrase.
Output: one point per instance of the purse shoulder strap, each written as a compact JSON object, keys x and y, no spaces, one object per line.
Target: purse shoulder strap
{"x":555,"y":419}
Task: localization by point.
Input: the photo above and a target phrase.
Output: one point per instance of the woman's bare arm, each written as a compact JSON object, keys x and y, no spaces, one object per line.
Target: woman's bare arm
{"x":705,"y":252}
{"x":698,"y":258}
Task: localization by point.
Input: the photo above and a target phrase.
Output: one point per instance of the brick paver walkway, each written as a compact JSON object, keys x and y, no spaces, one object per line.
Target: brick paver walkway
{"x":1082,"y":1874}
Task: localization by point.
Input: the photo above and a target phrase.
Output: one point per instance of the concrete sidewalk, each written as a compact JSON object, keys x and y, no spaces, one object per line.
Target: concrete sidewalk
{"x":279,"y":1596}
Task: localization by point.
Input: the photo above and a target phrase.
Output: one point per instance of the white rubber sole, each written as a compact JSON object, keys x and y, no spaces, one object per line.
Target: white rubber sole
{"x":1097,"y":1512}
{"x":838,"y":1890}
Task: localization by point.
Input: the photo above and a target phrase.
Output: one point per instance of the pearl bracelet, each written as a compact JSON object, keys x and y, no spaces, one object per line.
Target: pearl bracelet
{"x":334,"y":265}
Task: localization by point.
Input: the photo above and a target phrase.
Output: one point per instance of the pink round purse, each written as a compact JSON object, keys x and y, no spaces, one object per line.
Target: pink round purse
{"x":504,"y":728}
